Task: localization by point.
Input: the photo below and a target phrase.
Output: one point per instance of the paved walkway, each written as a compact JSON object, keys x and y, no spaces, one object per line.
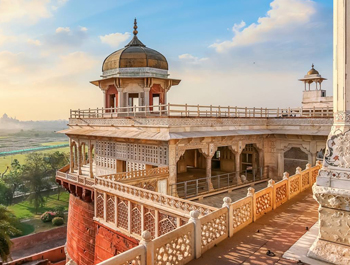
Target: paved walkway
{"x":277,"y":231}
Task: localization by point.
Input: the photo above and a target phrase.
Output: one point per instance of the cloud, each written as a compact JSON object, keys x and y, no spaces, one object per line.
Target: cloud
{"x":34,"y":42}
{"x":61,"y":29}
{"x":191,"y":59}
{"x":65,"y":38}
{"x":115,"y":39}
{"x":284,"y":18}
{"x":23,"y":10}
{"x":4,"y":39}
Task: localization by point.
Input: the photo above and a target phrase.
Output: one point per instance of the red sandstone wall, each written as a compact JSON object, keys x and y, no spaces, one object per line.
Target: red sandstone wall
{"x":110,"y":243}
{"x":32,"y":240}
{"x":81,"y":231}
{"x":55,"y":256}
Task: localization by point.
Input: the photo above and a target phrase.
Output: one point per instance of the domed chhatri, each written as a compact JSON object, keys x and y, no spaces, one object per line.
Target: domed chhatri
{"x":135,"y":59}
{"x":135,"y":76}
{"x":313,"y":71}
{"x":313,"y":76}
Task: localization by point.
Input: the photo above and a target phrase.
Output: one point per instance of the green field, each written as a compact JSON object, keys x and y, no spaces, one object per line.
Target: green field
{"x":24,"y":210}
{"x":6,"y":160}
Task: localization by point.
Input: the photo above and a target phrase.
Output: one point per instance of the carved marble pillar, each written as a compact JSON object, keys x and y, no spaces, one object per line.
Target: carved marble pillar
{"x":90,"y":160}
{"x":71,"y":156}
{"x":79,"y":159}
{"x":75,"y":156}
{"x":332,"y":188}
{"x":208,"y":171}
{"x":172,"y":189}
{"x":238,"y":167}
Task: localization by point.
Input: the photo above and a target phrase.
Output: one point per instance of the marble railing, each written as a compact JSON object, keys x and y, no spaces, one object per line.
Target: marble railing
{"x":190,"y":241}
{"x":186,"y":110}
{"x":135,"y":175}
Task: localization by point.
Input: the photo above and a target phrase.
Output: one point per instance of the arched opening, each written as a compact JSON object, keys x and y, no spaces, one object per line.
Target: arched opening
{"x":293,"y":158}
{"x":251,"y":165}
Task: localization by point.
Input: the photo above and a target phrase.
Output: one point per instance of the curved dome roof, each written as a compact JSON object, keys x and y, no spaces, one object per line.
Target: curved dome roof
{"x":135,"y":54}
{"x":313,"y":71}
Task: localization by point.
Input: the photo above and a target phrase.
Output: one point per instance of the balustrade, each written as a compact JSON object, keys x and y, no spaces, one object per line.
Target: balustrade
{"x":200,"y":111}
{"x":189,"y":241}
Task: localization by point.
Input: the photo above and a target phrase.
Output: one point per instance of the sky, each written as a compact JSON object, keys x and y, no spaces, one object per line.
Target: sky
{"x":226,"y":52}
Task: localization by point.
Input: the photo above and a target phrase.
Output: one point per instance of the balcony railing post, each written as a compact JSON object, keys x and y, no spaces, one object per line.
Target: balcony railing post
{"x":236,"y":112}
{"x":149,"y":245}
{"x":186,"y":110}
{"x":186,"y":189}
{"x":228,"y":111}
{"x":197,"y":233}
{"x":196,"y":186}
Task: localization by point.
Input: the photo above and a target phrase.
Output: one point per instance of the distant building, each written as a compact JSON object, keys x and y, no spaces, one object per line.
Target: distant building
{"x":315,"y":97}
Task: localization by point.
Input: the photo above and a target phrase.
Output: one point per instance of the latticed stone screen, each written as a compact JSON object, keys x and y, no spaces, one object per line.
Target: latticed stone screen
{"x":136,"y":219}
{"x":149,"y":221}
{"x":110,"y":208}
{"x":106,"y":151}
{"x":167,"y":223}
{"x":123,"y":214}
{"x":100,"y":205}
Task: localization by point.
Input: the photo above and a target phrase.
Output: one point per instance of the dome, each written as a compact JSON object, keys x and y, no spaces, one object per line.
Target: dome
{"x":135,"y":55}
{"x":313,"y":71}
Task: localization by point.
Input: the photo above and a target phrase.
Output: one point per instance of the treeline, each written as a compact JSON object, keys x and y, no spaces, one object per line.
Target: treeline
{"x":34,"y":177}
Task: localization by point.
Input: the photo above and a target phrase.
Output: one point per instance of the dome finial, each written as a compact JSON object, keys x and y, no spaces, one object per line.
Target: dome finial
{"x":312,"y":66}
{"x":135,"y":27}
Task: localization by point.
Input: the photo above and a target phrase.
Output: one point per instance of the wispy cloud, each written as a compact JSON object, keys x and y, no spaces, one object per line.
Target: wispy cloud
{"x":284,"y":17}
{"x":189,"y":58}
{"x":115,"y":39}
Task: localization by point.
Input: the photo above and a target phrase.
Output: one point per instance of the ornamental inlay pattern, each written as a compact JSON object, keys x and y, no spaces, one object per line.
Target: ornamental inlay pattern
{"x":338,"y":150}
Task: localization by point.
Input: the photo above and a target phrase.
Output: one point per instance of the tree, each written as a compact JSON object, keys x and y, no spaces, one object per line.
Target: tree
{"x":55,"y":161}
{"x":7,"y":230}
{"x":14,"y":180}
{"x":35,"y":173}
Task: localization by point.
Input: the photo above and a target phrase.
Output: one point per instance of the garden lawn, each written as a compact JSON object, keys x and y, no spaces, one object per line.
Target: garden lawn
{"x":24,"y":210}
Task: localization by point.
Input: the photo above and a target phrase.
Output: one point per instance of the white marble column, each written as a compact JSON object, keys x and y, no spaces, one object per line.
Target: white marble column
{"x":332,"y":188}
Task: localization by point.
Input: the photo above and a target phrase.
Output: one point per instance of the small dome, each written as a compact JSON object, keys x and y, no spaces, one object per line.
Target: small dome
{"x":313,"y":71}
{"x":135,"y":55}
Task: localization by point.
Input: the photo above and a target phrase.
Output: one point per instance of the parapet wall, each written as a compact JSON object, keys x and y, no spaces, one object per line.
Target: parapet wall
{"x":110,"y":243}
{"x":81,"y":231}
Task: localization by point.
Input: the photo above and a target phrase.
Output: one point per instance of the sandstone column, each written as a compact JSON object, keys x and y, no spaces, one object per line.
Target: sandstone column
{"x":332,"y":188}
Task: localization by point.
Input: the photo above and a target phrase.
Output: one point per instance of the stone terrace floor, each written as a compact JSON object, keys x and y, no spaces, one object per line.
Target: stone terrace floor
{"x":235,"y":195}
{"x":277,"y":231}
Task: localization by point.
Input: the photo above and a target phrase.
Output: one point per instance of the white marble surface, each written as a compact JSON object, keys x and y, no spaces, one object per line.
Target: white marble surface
{"x":299,"y":250}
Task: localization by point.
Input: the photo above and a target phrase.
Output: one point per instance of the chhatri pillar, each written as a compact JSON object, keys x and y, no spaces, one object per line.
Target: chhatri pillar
{"x":332,"y":188}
